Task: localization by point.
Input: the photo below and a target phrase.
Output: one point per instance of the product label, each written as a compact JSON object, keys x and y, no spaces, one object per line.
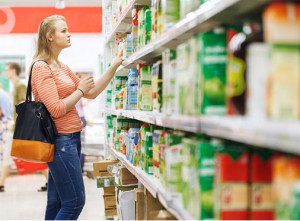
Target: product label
{"x":261,"y":196}
{"x":234,"y":196}
{"x":236,"y":81}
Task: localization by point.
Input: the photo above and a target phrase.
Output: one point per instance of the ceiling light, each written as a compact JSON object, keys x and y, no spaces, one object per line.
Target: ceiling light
{"x":60,"y":4}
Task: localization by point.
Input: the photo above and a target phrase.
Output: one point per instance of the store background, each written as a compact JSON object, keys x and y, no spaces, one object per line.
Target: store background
{"x":19,"y":21}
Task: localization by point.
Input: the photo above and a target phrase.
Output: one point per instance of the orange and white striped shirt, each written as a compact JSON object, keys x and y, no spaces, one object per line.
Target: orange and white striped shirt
{"x":51,"y":87}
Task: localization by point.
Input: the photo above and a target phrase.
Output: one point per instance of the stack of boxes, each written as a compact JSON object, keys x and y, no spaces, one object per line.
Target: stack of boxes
{"x":107,"y":182}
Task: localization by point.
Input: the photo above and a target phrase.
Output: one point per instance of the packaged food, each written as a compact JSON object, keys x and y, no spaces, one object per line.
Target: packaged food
{"x":231,"y":188}
{"x":282,"y":22}
{"x":157,"y":85}
{"x":213,"y":60}
{"x":286,"y":173}
{"x":257,"y":78}
{"x":171,"y":13}
{"x":284,"y":82}
{"x":262,"y":204}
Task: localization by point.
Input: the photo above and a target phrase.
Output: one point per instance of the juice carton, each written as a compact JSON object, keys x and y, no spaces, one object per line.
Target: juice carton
{"x":213,"y":61}
{"x":137,"y":147}
{"x":147,"y":19}
{"x":231,"y":182}
{"x":142,"y":153}
{"x":162,"y":159}
{"x":173,"y":160}
{"x":284,"y":95}
{"x":157,"y":84}
{"x":169,"y":79}
{"x":156,"y":143}
{"x":286,"y":173}
{"x":171,"y":13}
{"x":262,"y":205}
{"x":149,"y":153}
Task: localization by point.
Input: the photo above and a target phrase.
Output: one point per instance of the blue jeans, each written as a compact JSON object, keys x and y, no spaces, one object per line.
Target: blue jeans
{"x":66,"y":194}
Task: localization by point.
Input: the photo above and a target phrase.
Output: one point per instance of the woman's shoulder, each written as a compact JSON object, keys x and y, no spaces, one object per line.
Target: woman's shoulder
{"x":40,"y":63}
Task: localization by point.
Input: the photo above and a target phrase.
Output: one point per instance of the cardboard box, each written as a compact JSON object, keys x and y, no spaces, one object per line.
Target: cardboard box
{"x":102,"y":174}
{"x":109,"y":191}
{"x":110,"y":204}
{"x":151,"y":204}
{"x":101,"y":166}
{"x":139,"y":203}
{"x":110,"y":212}
{"x":161,"y":215}
{"x":108,"y":181}
{"x":127,"y":177}
{"x":109,"y":197}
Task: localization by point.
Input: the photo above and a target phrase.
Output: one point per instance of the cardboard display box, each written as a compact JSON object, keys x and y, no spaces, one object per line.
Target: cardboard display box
{"x":151,"y":204}
{"x":109,"y":197}
{"x":109,"y":191}
{"x":108,"y":181}
{"x":110,"y":204}
{"x":101,"y":167}
{"x":127,"y":177}
{"x":139,"y":203}
{"x":110,"y":212}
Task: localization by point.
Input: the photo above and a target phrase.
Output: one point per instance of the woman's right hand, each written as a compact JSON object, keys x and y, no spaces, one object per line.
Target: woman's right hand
{"x":86,"y":84}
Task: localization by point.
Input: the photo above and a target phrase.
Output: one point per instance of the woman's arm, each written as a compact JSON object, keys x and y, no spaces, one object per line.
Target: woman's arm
{"x":104,"y":80}
{"x":84,"y":86}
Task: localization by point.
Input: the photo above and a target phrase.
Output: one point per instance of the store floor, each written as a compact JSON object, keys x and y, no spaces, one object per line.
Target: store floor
{"x":21,"y":201}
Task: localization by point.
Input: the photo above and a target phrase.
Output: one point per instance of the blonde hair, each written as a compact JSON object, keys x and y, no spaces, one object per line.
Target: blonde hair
{"x":43,"y":50}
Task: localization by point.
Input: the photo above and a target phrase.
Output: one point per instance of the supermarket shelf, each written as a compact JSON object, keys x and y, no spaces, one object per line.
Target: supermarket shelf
{"x":276,"y":135}
{"x":209,"y":15}
{"x":124,"y":23}
{"x":154,"y":187}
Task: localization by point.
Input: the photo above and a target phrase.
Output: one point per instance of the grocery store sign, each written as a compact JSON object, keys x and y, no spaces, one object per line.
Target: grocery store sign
{"x":17,"y":20}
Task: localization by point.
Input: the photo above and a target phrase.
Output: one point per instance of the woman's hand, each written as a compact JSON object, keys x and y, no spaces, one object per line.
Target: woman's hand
{"x":86,"y":84}
{"x":118,"y":60}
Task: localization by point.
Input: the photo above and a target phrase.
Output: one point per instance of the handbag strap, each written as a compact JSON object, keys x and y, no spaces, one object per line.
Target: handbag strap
{"x":28,"y":93}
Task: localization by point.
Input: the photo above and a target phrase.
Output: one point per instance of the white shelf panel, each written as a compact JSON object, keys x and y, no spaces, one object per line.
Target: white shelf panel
{"x":209,"y":15}
{"x":154,"y":187}
{"x":276,"y":135}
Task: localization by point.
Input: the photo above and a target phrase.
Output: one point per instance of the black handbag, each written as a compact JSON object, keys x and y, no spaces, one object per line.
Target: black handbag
{"x":35,"y":131}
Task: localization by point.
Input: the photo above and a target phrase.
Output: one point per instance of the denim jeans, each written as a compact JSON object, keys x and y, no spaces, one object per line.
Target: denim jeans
{"x":66,"y":194}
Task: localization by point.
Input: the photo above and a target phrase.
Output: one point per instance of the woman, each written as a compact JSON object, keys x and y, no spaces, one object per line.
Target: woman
{"x":59,"y":89}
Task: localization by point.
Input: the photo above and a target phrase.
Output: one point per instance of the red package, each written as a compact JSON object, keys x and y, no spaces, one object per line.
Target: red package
{"x":262,"y":205}
{"x":232,"y":182}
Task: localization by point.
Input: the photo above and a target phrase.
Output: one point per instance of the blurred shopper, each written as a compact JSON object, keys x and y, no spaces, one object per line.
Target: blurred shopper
{"x":80,"y":108}
{"x":6,"y":116}
{"x":60,"y":89}
{"x":12,"y":72}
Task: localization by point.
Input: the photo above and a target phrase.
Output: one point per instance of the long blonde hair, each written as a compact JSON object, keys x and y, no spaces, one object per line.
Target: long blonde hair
{"x":43,"y":50}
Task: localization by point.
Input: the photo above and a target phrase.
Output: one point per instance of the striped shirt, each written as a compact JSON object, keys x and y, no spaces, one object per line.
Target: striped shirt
{"x":51,"y":87}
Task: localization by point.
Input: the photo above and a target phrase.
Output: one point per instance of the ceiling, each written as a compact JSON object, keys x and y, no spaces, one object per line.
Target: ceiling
{"x":48,"y":3}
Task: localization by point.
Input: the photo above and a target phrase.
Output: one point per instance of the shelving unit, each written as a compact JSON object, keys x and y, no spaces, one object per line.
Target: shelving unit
{"x":154,"y":187}
{"x":209,"y":15}
{"x":276,"y":135}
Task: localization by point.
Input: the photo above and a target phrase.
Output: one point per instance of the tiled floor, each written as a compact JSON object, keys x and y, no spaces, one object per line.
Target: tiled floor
{"x":21,"y":201}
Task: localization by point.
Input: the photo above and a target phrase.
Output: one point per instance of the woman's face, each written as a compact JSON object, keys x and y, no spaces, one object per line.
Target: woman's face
{"x":61,"y":38}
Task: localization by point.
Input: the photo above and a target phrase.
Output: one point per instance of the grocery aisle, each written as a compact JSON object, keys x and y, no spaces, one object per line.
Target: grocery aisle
{"x":21,"y":201}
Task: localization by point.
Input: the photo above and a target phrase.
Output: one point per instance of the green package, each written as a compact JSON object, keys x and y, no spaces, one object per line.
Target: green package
{"x":173,"y":160}
{"x":149,"y":152}
{"x":213,"y":60}
{"x":108,"y":181}
{"x":147,"y":27}
{"x":142,"y":153}
{"x":145,"y":94}
{"x":171,"y":13}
